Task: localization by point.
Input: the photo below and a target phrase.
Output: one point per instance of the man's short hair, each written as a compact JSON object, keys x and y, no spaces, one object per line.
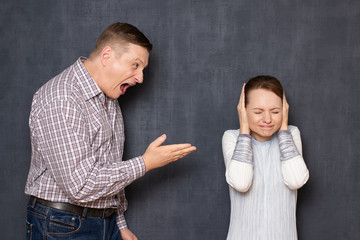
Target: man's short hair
{"x":118,"y":35}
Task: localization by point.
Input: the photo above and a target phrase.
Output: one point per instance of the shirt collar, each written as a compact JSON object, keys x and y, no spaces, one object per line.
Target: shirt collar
{"x":87,"y":84}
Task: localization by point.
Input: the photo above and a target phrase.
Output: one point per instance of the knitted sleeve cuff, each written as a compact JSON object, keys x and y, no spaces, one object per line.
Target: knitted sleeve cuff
{"x":287,"y":146}
{"x":243,"y":149}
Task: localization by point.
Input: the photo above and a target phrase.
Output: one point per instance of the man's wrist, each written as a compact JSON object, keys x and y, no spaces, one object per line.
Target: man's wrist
{"x":121,"y":222}
{"x":147,"y":163}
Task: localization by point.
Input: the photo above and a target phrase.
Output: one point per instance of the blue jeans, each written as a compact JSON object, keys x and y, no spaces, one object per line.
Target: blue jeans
{"x":52,"y":224}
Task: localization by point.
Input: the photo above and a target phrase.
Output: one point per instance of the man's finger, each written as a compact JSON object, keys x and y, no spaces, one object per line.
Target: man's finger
{"x":160,"y":140}
{"x":177,"y":147}
{"x":185,"y":151}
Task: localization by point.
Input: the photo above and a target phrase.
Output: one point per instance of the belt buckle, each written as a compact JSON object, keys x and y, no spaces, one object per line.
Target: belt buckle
{"x":107,"y":212}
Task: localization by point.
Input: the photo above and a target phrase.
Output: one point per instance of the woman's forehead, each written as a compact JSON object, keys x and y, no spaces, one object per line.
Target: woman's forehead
{"x":263,"y":97}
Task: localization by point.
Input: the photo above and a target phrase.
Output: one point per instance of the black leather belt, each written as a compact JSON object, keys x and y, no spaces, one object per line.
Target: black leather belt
{"x":70,"y":208}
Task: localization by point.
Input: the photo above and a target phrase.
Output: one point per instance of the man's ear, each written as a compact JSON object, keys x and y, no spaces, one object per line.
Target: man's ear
{"x":106,"y":55}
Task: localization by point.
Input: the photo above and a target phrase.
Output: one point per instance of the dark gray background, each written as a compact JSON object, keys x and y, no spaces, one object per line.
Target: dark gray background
{"x":203,"y":52}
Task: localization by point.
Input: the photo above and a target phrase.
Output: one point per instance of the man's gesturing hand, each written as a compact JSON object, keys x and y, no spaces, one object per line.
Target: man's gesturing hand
{"x":157,"y":156}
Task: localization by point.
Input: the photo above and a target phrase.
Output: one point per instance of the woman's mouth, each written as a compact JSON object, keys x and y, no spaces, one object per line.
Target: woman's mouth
{"x":266,"y":126}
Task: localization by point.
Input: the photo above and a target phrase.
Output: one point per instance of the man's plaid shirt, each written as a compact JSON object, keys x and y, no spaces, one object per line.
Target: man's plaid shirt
{"x":77,"y":145}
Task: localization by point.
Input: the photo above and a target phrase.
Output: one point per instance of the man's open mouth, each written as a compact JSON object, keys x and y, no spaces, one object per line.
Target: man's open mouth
{"x":123,"y":87}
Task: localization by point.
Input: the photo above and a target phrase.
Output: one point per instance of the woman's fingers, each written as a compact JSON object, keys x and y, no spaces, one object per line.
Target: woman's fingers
{"x":241,"y":104}
{"x":285,"y":104}
{"x":284,"y":125}
{"x":243,"y":96}
{"x":243,"y":120}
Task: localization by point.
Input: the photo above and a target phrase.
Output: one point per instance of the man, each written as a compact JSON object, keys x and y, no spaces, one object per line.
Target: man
{"x":77,"y":177}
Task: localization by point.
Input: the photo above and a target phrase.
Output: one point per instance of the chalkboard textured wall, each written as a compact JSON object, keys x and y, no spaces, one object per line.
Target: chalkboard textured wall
{"x":203,"y":51}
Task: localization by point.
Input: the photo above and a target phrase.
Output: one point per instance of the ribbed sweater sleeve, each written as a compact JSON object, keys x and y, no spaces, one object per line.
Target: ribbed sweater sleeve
{"x":293,"y":167}
{"x":238,"y":159}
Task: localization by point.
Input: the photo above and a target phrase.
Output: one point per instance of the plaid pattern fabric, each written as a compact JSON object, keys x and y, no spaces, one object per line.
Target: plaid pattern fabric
{"x":77,"y":145}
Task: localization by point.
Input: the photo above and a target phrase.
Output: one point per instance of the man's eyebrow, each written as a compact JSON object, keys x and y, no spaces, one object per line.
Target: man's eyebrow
{"x":140,"y":61}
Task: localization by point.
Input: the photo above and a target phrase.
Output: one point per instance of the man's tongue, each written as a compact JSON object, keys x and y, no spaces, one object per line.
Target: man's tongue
{"x":123,"y":87}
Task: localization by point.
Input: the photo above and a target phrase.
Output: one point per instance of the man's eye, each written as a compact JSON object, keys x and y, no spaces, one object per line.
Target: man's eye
{"x":136,"y":65}
{"x":275,"y":112}
{"x":257,"y":112}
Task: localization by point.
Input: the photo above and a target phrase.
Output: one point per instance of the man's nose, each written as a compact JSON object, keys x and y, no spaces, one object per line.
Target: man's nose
{"x":139,"y":77}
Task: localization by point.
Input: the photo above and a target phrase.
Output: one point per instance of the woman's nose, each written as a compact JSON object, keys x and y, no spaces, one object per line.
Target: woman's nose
{"x":267,"y":117}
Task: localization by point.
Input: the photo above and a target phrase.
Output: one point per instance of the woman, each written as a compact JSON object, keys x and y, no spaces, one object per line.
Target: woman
{"x":264,"y":165}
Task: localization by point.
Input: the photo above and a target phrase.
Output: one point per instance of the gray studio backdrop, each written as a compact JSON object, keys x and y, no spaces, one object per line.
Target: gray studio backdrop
{"x":203,"y":52}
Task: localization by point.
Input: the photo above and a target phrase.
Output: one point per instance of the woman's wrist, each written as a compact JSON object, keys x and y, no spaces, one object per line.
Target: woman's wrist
{"x":244,"y":131}
{"x":284,"y":127}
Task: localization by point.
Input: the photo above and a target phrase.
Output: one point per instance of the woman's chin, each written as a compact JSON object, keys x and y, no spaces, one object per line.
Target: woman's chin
{"x":263,"y":135}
